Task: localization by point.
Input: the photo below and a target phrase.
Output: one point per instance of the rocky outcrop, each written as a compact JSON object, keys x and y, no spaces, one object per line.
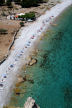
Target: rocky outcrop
{"x":20,"y":79}
{"x":32,"y":62}
{"x":30,"y":103}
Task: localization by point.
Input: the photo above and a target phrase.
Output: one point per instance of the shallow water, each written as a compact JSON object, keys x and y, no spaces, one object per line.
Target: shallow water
{"x":52,"y":75}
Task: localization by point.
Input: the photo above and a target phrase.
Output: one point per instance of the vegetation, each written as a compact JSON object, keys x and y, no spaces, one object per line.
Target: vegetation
{"x":9,"y":4}
{"x":17,"y":1}
{"x":22,"y":24}
{"x":28,"y":3}
{"x":28,"y":16}
{"x":3,"y":31}
{"x":1,"y":2}
{"x":23,"y":3}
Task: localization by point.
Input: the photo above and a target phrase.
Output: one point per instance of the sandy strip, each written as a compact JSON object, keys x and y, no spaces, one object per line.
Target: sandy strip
{"x":28,"y":36}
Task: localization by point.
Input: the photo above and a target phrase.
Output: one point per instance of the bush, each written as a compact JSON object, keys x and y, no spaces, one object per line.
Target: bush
{"x":9,"y":4}
{"x":28,"y":16}
{"x":21,"y":24}
{"x":3,"y":31}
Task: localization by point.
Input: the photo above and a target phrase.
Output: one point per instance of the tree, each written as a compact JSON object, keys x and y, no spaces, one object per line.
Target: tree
{"x":9,"y":4}
{"x":29,"y":3}
{"x":2,"y":2}
{"x":3,"y":31}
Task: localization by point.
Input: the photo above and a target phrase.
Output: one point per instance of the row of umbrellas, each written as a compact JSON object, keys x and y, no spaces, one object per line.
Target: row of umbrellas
{"x":4,"y":75}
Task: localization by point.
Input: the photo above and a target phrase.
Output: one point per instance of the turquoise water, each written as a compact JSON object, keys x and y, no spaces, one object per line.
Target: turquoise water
{"x":52,"y":75}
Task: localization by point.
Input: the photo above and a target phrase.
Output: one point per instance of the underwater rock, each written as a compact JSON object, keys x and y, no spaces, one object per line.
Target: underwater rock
{"x":31,"y":81}
{"x":32,"y":62}
{"x":30,"y":103}
{"x":20,"y":80}
{"x":54,"y":24}
{"x":17,"y":91}
{"x":24,"y":78}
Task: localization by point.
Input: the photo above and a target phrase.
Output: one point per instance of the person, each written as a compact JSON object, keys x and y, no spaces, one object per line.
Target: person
{"x":8,"y":68}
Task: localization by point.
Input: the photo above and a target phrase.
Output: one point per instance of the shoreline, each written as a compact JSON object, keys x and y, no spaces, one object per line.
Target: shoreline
{"x":22,"y":48}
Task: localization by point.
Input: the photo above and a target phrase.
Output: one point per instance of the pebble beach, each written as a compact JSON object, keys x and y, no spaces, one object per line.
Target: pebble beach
{"x":22,"y":48}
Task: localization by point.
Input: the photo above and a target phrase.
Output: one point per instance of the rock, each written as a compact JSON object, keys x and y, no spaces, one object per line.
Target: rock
{"x":30,"y":103}
{"x":54,"y":24}
{"x":17,"y":84}
{"x":20,"y":79}
{"x":32,"y":62}
{"x":31,"y":81}
{"x":29,"y":58}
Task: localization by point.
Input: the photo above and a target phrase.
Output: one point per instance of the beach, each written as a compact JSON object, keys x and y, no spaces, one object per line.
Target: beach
{"x":22,"y":48}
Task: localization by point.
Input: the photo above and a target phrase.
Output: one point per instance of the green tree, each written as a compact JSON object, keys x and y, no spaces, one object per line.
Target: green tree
{"x":30,"y":15}
{"x":29,"y":3}
{"x":8,"y":2}
{"x":2,"y":2}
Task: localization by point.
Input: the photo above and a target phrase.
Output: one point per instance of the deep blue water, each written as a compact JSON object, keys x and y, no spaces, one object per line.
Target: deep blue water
{"x":52,"y":75}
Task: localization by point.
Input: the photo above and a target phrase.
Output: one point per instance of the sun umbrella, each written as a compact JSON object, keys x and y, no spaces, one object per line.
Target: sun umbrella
{"x":12,"y":66}
{"x":1,"y":85}
{"x":25,"y":46}
{"x":16,"y":60}
{"x":29,"y":42}
{"x":4,"y":75}
{"x":22,"y":52}
{"x":32,"y":37}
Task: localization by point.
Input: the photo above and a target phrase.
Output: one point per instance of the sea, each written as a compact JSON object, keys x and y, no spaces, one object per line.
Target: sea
{"x":49,"y":81}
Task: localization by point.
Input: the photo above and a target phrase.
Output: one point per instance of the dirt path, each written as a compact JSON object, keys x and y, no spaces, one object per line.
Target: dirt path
{"x":6,"y":39}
